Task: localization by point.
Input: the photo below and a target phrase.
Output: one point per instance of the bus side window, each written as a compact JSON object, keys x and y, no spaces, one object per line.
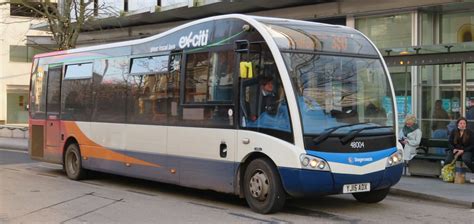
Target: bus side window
{"x":209,"y":89}
{"x":221,"y":80}
{"x":76,"y":92}
{"x":110,"y":89}
{"x":154,"y":89}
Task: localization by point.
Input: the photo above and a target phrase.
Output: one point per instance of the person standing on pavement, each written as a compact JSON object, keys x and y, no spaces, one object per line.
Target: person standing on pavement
{"x":461,"y":143}
{"x":410,"y":137}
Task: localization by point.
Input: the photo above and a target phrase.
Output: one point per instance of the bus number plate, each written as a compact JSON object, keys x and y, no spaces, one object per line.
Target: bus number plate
{"x":354,"y":188}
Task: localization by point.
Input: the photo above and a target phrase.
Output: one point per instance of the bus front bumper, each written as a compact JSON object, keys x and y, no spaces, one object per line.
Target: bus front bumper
{"x":301,"y":182}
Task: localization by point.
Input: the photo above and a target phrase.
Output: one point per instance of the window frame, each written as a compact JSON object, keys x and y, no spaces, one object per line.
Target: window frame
{"x":185,"y":55}
{"x":161,"y":54}
{"x":65,"y":77}
{"x":232,"y":103}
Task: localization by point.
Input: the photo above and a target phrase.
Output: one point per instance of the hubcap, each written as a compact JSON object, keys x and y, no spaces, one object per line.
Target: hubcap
{"x":259,"y":185}
{"x":73,"y":162}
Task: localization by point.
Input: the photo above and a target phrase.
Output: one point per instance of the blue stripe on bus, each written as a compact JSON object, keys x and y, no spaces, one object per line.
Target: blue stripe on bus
{"x":299,"y":182}
{"x":357,"y":159}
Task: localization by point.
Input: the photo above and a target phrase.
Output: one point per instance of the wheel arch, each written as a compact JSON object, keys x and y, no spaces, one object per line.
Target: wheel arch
{"x":243,"y":166}
{"x":69,"y":140}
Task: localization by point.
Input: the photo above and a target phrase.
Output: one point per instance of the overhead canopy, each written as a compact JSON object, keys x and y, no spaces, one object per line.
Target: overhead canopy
{"x":429,"y":55}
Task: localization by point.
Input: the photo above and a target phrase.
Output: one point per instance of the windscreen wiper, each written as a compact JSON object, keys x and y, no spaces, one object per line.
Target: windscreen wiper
{"x":323,"y":136}
{"x":353,"y":133}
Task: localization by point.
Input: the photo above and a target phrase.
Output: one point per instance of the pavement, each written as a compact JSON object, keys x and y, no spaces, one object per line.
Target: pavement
{"x":427,"y":188}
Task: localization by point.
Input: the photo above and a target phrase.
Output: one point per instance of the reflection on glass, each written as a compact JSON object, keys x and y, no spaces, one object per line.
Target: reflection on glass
{"x":456,"y":27}
{"x":296,"y":35}
{"x":79,"y":71}
{"x":149,"y":65}
{"x":470,"y":95}
{"x":440,"y":102}
{"x":334,"y":90}
{"x":387,"y":31}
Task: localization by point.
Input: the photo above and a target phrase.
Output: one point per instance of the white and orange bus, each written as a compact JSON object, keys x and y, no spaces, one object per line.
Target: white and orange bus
{"x":190,"y":107}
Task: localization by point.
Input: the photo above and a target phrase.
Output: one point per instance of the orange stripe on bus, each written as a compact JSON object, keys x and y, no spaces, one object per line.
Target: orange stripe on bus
{"x":91,"y":149}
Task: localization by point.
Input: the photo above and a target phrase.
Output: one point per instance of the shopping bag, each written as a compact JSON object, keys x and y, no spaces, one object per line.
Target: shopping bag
{"x":447,"y":172}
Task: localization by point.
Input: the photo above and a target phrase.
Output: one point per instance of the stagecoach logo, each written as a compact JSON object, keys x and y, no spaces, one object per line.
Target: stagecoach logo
{"x":359,"y":160}
{"x":194,"y":40}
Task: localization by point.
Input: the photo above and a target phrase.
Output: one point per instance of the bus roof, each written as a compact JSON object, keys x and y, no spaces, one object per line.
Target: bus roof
{"x":277,"y":27}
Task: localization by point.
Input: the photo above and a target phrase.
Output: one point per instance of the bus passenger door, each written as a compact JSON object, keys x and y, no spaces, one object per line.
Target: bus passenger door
{"x":53,"y":103}
{"x":204,"y":146}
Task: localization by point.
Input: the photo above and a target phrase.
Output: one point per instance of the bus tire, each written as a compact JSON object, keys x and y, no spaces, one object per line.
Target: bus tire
{"x":73,"y":163}
{"x":262,"y":187}
{"x":372,"y":196}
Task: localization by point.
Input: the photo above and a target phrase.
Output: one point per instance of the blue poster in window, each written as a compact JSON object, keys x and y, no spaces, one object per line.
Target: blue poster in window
{"x":446,"y":104}
{"x":403,"y":107}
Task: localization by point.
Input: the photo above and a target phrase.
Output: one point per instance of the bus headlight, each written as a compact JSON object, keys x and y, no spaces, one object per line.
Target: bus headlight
{"x":314,"y":163}
{"x":395,"y":159}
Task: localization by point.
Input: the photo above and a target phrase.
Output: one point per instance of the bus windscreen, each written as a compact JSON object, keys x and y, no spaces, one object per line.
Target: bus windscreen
{"x":326,"y":38}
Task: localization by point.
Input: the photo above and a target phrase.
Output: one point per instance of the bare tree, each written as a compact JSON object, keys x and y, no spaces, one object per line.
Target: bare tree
{"x":65,"y":18}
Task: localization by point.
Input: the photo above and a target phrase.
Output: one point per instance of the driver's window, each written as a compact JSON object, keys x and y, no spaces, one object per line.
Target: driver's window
{"x":262,"y":97}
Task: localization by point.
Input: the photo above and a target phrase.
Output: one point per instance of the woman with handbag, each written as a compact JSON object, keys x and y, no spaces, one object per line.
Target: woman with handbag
{"x":461,"y":143}
{"x":410,"y":137}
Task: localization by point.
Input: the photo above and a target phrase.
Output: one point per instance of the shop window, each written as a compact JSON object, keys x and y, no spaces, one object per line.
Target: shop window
{"x":470,"y":95}
{"x":427,"y":34}
{"x":457,"y":27}
{"x":20,"y":53}
{"x":387,"y":31}
{"x":16,"y":108}
{"x":401,"y":78}
{"x":19,"y":9}
{"x":440,"y":103}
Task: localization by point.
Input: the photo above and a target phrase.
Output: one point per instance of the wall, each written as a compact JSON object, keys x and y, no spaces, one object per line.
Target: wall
{"x":14,"y":76}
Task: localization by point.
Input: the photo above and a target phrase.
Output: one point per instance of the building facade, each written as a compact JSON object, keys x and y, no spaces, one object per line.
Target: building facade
{"x":15,"y":62}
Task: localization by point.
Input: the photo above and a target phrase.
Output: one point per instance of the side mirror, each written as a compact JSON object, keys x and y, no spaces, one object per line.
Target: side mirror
{"x":246,"y":71}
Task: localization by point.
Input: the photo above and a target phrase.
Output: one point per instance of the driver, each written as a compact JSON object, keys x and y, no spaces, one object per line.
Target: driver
{"x":266,"y":98}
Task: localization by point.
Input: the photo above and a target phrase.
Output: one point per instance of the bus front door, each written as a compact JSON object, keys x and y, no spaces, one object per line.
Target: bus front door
{"x":53,"y":105}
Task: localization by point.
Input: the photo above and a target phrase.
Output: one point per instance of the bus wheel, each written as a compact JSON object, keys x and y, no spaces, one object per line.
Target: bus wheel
{"x":73,"y":163}
{"x":371,"y":196}
{"x":262,"y":187}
